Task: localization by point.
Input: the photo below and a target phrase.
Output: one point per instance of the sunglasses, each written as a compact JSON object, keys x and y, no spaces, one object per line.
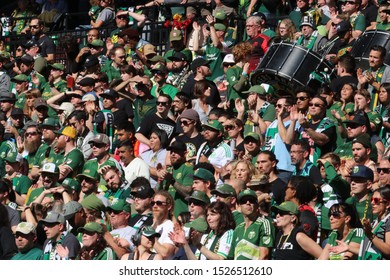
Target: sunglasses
{"x":158,"y":203}
{"x":186,"y":123}
{"x":162,"y":103}
{"x":229,"y":127}
{"x":245,"y":200}
{"x":377,"y":200}
{"x":315,"y":105}
{"x":34,"y":26}
{"x":334,"y":24}
{"x":122,"y":17}
{"x":352,"y":125}
{"x":122,"y":57}
{"x":195,"y":202}
{"x":302,"y":98}
{"x":98,"y":145}
{"x":30,"y":134}
{"x":228,"y":64}
{"x":115,"y":212}
{"x":19,"y":49}
{"x":384,"y":170}
{"x":336,"y":214}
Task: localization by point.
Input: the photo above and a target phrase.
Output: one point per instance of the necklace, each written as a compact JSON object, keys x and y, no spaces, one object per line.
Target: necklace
{"x":281,"y":237}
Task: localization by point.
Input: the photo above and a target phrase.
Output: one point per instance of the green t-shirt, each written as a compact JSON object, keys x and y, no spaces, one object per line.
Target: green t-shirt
{"x":166,"y":89}
{"x":60,"y":86}
{"x":143,"y":108}
{"x":21,"y":184}
{"x":363,"y":208}
{"x":355,"y":235}
{"x":358,"y":22}
{"x":112,"y":73}
{"x":214,"y":55}
{"x":183,"y":175}
{"x":75,"y":160}
{"x":21,"y":100}
{"x":247,"y":241}
{"x":233,"y":75}
{"x":32,"y":255}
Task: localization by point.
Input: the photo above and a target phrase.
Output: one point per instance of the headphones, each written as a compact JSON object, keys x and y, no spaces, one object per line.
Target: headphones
{"x":136,"y":238}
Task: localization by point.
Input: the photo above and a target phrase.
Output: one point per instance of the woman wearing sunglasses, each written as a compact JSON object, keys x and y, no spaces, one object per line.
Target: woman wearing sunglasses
{"x":346,"y":228}
{"x":214,"y":245}
{"x":291,"y":242}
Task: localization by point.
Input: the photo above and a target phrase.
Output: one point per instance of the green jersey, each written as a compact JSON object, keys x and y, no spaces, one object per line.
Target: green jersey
{"x":233,"y":76}
{"x":166,"y":89}
{"x":247,"y":241}
{"x":75,"y":160}
{"x":33,"y":254}
{"x":21,"y":184}
{"x":111,"y":71}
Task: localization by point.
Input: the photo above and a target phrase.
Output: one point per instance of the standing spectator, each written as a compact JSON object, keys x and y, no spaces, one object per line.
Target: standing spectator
{"x":46,"y":44}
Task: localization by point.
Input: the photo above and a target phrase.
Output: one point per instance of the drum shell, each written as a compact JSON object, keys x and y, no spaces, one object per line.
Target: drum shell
{"x":287,"y":66}
{"x":361,"y":48}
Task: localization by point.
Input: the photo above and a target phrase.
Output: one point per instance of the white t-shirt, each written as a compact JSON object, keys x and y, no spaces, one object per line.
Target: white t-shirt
{"x":136,"y":168}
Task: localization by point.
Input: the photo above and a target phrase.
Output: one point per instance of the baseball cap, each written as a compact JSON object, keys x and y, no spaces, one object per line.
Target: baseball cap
{"x":49,"y":167}
{"x":286,"y":207}
{"x":253,"y":135}
{"x":54,"y":218}
{"x":89,"y":97}
{"x":362,"y":171}
{"x":40,"y":102}
{"x":71,"y":184}
{"x":96,"y":43}
{"x":149,"y":49}
{"x":71,"y":208}
{"x":220,"y":27}
{"x":363,"y":139}
{"x":67,"y":131}
{"x":129,"y":32}
{"x":190,"y":114}
{"x":143,"y":192}
{"x":225,"y":190}
{"x":204,"y":174}
{"x":27,"y":59}
{"x":343,"y":26}
{"x":92,"y":202}
{"x":246,"y":193}
{"x":12,"y":157}
{"x":149,"y":231}
{"x":308,"y":20}
{"x":25,"y":228}
{"x":109,"y":93}
{"x":16,"y":112}
{"x":91,"y":61}
{"x":198,"y":62}
{"x":268,"y":88}
{"x":7,"y":96}
{"x":20,"y":78}
{"x":90,"y":171}
{"x":100,"y":138}
{"x":160,"y":68}
{"x":51,"y":123}
{"x":175,"y":35}
{"x":177,"y":146}
{"x":258,"y":181}
{"x":199,"y":196}
{"x":87,"y":81}
{"x":221,"y":15}
{"x":57,"y":66}
{"x":214,"y":124}
{"x":31,"y":43}
{"x":120,"y":205}
{"x":256,"y":89}
{"x":178,"y":56}
{"x":30,"y":124}
{"x":91,"y":227}
{"x":229,"y":58}
{"x":359,"y":117}
{"x":199,"y":224}
{"x":157,"y":58}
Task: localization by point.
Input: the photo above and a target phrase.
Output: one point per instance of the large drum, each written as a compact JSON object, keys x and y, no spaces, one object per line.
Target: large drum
{"x":361,"y":48}
{"x":288,"y":66}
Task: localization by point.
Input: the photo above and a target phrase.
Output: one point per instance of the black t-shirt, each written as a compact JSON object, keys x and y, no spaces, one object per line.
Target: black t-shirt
{"x":137,"y":221}
{"x":193,"y":144}
{"x":153,"y":121}
{"x":278,"y":188}
{"x":289,"y":249}
{"x":213,"y":100}
{"x":47,"y":46}
{"x":331,"y":133}
{"x":126,"y":106}
{"x":337,"y":84}
{"x":309,"y":223}
{"x":370,"y":13}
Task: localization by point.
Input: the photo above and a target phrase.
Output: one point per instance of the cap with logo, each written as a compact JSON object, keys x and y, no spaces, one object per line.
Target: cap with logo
{"x":120,"y":205}
{"x":149,"y":231}
{"x":225,"y":190}
{"x":90,"y":170}
{"x":198,"y":62}
{"x":246,"y":193}
{"x":54,"y":218}
{"x":143,"y":192}
{"x":71,"y":208}
{"x":25,"y":228}
{"x":175,"y":35}
{"x":258,"y":89}
{"x":204,"y":175}
{"x":178,"y":147}
{"x":252,"y":135}
{"x":199,"y":196}
{"x":91,"y":61}
{"x":362,"y":171}
{"x":49,"y":167}
{"x":40,"y":102}
{"x":214,"y":125}
{"x":50,"y":123}
{"x":109,"y":93}
{"x":286,"y":207}
{"x":100,"y":138}
{"x":91,"y":227}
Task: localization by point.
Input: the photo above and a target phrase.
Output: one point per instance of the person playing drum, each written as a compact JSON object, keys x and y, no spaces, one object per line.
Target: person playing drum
{"x":309,"y":36}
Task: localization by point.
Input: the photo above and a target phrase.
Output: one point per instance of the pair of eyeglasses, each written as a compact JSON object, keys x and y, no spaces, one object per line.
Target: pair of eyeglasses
{"x":195,"y":202}
{"x":30,"y":134}
{"x":377,"y":200}
{"x":115,"y":212}
{"x":158,"y":203}
{"x":162,"y":103}
{"x":229,"y":127}
{"x":186,"y":123}
{"x":352,"y":125}
{"x":98,"y":145}
{"x":245,"y":200}
{"x":384,"y":170}
{"x":122,"y":17}
{"x":336,"y":214}
{"x":34,"y":26}
{"x":315,"y":105}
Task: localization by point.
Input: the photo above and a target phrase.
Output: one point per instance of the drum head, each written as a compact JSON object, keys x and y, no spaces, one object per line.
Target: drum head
{"x":287,"y":66}
{"x":361,"y":48}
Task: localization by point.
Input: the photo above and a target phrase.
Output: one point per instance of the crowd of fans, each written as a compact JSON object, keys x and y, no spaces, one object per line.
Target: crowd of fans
{"x":123,"y":153}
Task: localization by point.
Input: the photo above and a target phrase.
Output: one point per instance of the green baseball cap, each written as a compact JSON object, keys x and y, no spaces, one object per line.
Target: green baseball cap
{"x":219,"y":27}
{"x":58,"y":66}
{"x":158,"y":58}
{"x":204,"y":174}
{"x":225,"y":190}
{"x":71,"y":184}
{"x":268,"y":88}
{"x":214,"y":125}
{"x":92,"y":202}
{"x":286,"y":207}
{"x":245,"y":193}
{"x":97,"y":43}
{"x":199,"y":224}
{"x":149,"y":231}
{"x":51,"y":123}
{"x":200,"y":196}
{"x":12,"y":157}
{"x":253,"y":135}
{"x":120,"y":205}
{"x":256,"y":89}
{"x":90,"y":171}
{"x":20,"y":78}
{"x":221,"y":15}
{"x":92,"y":227}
